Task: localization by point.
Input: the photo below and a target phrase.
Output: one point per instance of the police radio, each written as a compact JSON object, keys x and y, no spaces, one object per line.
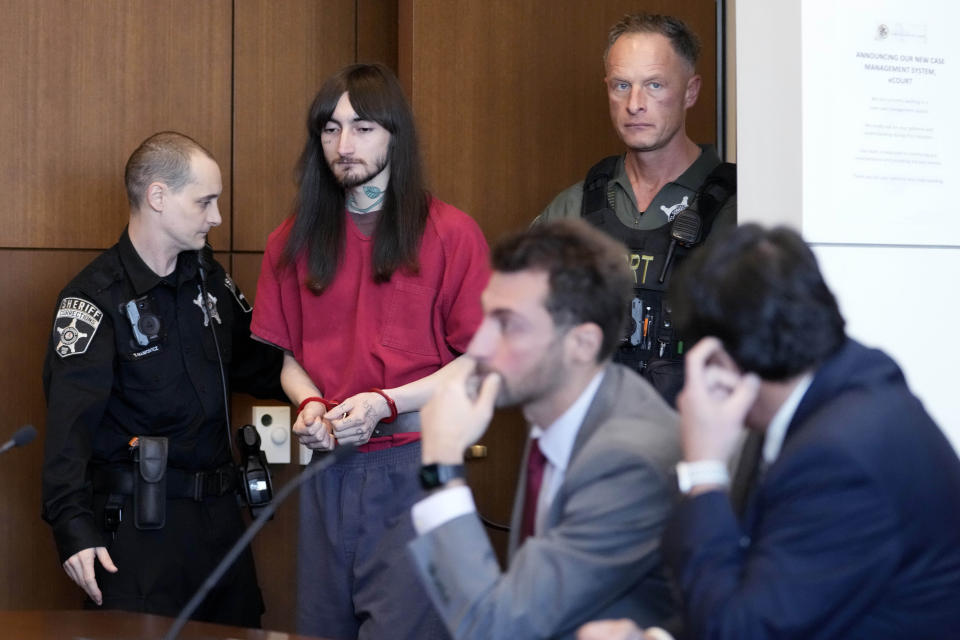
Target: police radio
{"x":253,"y":470}
{"x":693,"y":224}
{"x":685,"y":230}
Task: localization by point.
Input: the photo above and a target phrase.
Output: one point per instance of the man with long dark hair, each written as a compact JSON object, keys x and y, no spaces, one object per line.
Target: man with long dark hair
{"x":370,"y":288}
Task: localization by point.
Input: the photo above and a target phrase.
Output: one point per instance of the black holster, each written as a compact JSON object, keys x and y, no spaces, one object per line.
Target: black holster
{"x":149,"y":483}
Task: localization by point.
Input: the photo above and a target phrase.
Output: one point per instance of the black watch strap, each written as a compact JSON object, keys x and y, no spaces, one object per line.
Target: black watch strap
{"x":433,"y":476}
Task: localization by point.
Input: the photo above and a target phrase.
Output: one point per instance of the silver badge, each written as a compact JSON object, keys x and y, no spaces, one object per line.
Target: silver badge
{"x":675,"y":209}
{"x":209,"y":309}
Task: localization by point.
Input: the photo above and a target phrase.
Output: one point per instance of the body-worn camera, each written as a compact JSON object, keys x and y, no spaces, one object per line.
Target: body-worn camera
{"x":254,"y":473}
{"x":143,"y":321}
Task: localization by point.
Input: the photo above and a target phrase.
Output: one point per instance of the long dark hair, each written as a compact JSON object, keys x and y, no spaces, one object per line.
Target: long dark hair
{"x":318,"y":227}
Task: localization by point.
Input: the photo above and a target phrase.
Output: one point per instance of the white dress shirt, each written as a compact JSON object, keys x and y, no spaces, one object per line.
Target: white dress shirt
{"x":777,"y":429}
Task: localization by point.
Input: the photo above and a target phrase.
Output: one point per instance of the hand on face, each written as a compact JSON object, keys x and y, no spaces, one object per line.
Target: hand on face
{"x":714,"y":402}
{"x":457,"y":414}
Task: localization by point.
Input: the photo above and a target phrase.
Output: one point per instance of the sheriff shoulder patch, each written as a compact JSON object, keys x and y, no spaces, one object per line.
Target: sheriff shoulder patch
{"x":75,"y":325}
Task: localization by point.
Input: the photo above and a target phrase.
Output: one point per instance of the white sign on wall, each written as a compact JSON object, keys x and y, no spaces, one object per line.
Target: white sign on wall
{"x":881,"y":121}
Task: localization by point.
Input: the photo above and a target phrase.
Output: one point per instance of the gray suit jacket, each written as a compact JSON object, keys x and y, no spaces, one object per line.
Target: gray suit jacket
{"x":598,"y":556}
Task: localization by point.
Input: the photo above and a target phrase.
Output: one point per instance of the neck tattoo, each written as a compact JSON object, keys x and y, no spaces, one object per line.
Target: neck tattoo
{"x":366,"y":199}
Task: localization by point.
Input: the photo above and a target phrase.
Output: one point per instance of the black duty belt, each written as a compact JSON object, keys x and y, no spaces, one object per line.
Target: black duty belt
{"x":195,"y":485}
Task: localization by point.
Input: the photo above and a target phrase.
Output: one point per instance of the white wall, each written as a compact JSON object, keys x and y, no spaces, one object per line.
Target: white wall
{"x":902,"y":299}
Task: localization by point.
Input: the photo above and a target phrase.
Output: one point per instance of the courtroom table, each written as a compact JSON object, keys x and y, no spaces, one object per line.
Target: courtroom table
{"x":119,"y":625}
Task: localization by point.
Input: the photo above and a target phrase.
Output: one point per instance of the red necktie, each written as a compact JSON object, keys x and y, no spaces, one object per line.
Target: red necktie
{"x":535,"y":464}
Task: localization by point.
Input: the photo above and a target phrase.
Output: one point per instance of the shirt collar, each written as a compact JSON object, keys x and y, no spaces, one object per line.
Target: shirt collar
{"x":777,"y":429}
{"x":692,"y":179}
{"x":142,"y":277}
{"x":696,"y":174}
{"x":556,"y":441}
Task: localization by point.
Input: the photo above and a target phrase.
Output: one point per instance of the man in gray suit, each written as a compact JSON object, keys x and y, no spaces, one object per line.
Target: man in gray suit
{"x":596,"y":486}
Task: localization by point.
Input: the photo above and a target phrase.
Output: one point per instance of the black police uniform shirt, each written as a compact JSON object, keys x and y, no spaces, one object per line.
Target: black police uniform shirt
{"x":106,"y":382}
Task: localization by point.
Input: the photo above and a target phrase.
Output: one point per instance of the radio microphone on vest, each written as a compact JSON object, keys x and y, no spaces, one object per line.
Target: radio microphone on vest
{"x":24,"y":435}
{"x":202,"y":265}
{"x":685,"y":230}
{"x":340,"y":453}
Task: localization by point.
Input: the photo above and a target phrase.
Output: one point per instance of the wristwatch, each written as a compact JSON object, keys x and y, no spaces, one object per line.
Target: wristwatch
{"x":692,"y":474}
{"x":435,"y":475}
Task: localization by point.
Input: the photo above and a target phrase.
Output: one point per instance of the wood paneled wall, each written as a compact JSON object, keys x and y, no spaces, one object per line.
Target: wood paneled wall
{"x":31,"y":573}
{"x":510,"y":106}
{"x":83,"y":83}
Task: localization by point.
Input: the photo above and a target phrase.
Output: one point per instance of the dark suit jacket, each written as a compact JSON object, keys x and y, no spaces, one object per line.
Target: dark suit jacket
{"x":853,"y":532}
{"x":599,"y":556}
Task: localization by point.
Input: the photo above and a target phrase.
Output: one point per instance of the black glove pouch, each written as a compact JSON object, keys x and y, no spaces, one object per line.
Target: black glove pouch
{"x":149,"y":483}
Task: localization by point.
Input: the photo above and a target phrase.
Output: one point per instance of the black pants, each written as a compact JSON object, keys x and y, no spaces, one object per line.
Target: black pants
{"x":160,"y":570}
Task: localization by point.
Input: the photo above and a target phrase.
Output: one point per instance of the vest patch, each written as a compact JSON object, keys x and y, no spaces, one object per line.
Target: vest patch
{"x":76,"y":323}
{"x":639,"y":263}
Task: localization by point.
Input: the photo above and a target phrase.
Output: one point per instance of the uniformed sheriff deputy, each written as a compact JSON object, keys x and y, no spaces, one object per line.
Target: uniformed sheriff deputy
{"x":662,"y":197}
{"x":138,"y":481}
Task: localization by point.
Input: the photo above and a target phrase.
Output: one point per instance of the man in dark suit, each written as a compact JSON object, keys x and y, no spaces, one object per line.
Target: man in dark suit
{"x":597,"y":486}
{"x":851,"y":527}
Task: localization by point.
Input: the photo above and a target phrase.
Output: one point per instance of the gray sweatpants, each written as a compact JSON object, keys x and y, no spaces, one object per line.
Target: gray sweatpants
{"x":354,"y":576}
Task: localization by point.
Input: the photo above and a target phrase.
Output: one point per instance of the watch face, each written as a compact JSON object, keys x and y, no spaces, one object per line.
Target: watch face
{"x":429,"y":477}
{"x":437,"y":475}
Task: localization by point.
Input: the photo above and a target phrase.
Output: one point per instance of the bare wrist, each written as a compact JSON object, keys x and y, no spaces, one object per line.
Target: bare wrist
{"x":440,"y":454}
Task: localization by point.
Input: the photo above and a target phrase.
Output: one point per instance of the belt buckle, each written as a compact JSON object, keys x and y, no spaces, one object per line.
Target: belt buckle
{"x":221,"y":477}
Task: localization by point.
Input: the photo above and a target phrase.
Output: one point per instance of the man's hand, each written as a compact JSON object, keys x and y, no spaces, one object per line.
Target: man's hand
{"x":312,"y":427}
{"x":610,"y":630}
{"x":79,"y":567}
{"x":453,"y":418}
{"x":354,"y":419}
{"x":714,"y":402}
